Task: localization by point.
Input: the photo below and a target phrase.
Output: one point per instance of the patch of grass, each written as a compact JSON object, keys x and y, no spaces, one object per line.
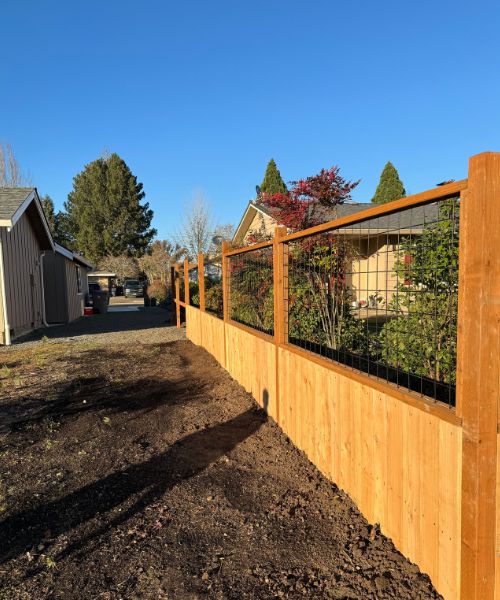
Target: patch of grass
{"x":50,"y":562}
{"x":5,"y":372}
{"x":48,"y":444}
{"x":50,"y":425}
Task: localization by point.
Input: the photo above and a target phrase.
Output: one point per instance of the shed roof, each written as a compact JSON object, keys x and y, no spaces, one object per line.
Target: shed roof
{"x":11,"y":200}
{"x":14,"y":202}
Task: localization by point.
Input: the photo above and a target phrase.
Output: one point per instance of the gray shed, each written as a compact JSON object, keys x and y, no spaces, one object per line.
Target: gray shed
{"x":65,"y":278}
{"x":24,"y":235}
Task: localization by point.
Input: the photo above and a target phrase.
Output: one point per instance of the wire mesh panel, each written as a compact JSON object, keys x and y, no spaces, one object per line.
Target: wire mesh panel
{"x":251,"y":289}
{"x":180,"y":275}
{"x":194,"y":288}
{"x":213,"y":287}
{"x":381,"y":296}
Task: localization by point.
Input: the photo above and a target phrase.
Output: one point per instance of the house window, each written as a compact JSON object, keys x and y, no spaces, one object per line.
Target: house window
{"x":78,"y":279}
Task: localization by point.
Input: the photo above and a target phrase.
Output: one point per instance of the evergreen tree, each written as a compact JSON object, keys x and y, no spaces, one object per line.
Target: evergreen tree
{"x":273,"y":183}
{"x":390,"y":186}
{"x":48,"y":208}
{"x":57,"y":223}
{"x":104,"y":211}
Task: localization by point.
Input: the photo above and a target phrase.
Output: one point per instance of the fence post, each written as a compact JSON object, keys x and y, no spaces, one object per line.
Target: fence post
{"x":478,"y":368}
{"x":201,"y":280}
{"x":186,"y":281}
{"x":225,"y":281}
{"x":279,"y":315}
{"x":177,"y":295}
{"x":278,"y":273}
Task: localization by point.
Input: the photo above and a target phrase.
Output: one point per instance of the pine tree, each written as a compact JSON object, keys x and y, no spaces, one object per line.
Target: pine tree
{"x":104,"y":210}
{"x":273,"y":182}
{"x":390,"y":186}
{"x":48,"y":209}
{"x":57,"y":222}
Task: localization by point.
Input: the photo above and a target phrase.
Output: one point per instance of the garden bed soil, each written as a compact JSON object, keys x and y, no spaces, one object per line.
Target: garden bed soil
{"x":145,"y":471}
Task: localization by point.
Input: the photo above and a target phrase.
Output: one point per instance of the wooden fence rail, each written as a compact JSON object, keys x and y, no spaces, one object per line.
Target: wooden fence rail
{"x":426,"y":472}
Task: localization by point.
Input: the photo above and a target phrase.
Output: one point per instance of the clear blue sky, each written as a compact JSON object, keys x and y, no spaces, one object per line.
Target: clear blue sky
{"x":199,"y":95}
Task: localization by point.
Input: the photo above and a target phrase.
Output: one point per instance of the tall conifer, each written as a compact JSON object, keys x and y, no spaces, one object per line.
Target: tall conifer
{"x":273,"y":182}
{"x":390,"y":186}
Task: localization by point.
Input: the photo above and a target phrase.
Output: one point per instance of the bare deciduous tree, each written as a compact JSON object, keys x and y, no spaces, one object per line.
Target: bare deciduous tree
{"x":157,"y":262}
{"x":197,"y":228}
{"x":10,"y":171}
{"x":123,"y":266}
{"x":198,"y":231}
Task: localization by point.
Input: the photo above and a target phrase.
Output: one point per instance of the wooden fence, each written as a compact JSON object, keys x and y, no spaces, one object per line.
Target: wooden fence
{"x":428,"y":473}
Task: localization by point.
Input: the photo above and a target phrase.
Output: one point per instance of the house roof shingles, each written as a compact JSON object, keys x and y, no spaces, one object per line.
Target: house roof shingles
{"x":11,"y":199}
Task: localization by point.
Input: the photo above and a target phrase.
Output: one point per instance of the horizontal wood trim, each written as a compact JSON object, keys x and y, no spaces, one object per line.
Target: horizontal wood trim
{"x":440,"y":193}
{"x":244,"y":249}
{"x":181,"y":303}
{"x":415,"y":400}
{"x":260,"y":334}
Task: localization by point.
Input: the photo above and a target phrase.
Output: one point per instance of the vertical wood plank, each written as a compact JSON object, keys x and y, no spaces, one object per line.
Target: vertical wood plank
{"x":478,"y":365}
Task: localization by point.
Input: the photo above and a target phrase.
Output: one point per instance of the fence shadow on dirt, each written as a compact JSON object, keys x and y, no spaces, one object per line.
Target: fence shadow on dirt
{"x":142,"y":484}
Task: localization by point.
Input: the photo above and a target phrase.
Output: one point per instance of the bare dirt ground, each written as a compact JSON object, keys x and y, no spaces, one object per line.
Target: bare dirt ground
{"x":135,"y":467}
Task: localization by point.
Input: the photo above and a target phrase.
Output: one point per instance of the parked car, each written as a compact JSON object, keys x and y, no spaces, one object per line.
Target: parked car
{"x":133,"y":288}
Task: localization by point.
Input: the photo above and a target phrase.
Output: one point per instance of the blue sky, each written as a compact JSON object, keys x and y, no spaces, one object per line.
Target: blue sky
{"x":199,"y":95}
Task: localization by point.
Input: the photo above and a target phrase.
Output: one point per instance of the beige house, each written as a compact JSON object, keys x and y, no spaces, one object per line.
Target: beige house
{"x":376,"y":244}
{"x":25,"y":244}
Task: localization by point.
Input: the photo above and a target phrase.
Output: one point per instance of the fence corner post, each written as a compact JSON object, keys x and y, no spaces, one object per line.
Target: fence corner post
{"x":201,"y":280}
{"x":186,"y":282}
{"x":177,"y":295}
{"x":478,"y":367}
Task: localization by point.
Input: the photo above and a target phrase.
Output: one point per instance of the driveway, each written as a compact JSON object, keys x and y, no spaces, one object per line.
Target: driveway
{"x":140,"y":325}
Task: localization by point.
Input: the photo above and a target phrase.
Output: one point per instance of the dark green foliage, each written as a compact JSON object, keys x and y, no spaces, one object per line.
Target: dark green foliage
{"x":252,"y":300}
{"x":390,"y":186}
{"x":48,"y":208}
{"x":105,"y":214}
{"x":57,"y":222}
{"x":422,"y":340}
{"x":319,"y":299}
{"x":273,"y":182}
{"x":213,"y":295}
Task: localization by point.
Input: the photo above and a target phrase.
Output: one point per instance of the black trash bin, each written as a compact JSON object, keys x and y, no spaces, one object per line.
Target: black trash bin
{"x":100,"y":302}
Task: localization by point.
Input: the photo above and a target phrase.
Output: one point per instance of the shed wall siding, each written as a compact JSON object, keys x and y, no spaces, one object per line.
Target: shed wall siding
{"x":21,"y":252}
{"x":76,"y":301}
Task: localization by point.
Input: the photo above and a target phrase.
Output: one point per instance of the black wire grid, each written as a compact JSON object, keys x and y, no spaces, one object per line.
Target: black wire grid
{"x":381,"y":296}
{"x":213,"y":287}
{"x":194,"y":290}
{"x":250,"y":289}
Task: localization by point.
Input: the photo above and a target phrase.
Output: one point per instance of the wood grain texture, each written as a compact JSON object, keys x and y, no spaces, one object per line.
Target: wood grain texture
{"x":400,"y":465}
{"x":251,"y":360}
{"x":478,"y":367}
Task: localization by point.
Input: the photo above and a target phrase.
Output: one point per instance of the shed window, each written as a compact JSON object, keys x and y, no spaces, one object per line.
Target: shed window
{"x":78,"y":279}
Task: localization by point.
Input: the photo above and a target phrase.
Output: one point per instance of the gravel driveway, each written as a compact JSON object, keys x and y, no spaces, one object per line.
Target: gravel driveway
{"x":142,"y":326}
